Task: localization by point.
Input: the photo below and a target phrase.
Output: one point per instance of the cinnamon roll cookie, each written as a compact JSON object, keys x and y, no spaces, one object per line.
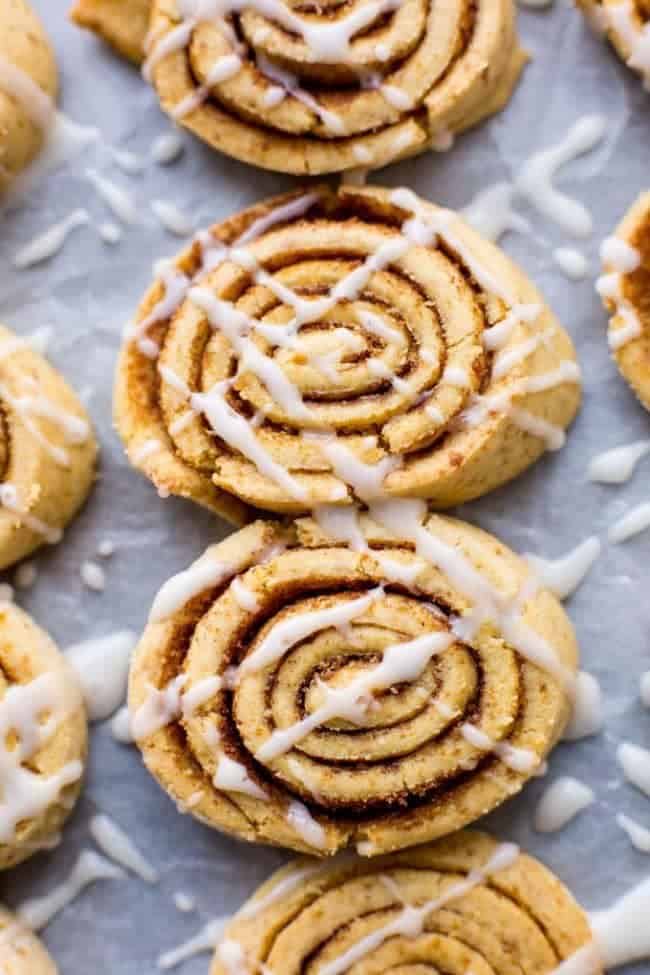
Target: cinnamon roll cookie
{"x":625,"y":290}
{"x":323,"y":325}
{"x":296,"y":690}
{"x":468,"y":904}
{"x":28,"y":87}
{"x":121,"y":23}
{"x":321,"y":88}
{"x":21,"y":952}
{"x":626,"y":23}
{"x":42,"y":739}
{"x":47,"y":450}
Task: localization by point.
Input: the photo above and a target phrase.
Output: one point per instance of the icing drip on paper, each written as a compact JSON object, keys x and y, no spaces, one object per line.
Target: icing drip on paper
{"x":535,"y":179}
{"x":564,"y":575}
{"x":90,"y":867}
{"x":172,"y":218}
{"x":167,"y":148}
{"x":562,"y":801}
{"x":587,"y":718}
{"x":635,"y":521}
{"x":492,"y":213}
{"x":617,"y":466}
{"x":206,"y":940}
{"x":46,"y":245}
{"x":114,"y":842}
{"x":635,"y":763}
{"x":571,"y":262}
{"x":638,"y":835}
{"x":121,"y":726}
{"x":102,"y":669}
{"x":117,"y":199}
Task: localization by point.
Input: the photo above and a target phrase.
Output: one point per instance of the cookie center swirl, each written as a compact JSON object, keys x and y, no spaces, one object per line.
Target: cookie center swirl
{"x":358,"y":700}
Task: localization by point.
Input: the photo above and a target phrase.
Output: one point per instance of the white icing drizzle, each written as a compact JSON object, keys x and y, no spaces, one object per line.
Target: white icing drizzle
{"x":411,"y":920}
{"x":309,"y":830}
{"x":571,"y":262}
{"x":563,"y":576}
{"x":117,"y":199}
{"x":24,"y":793}
{"x":617,"y":254}
{"x":635,"y":763}
{"x":288,"y":883}
{"x":184,"y":902}
{"x":587,"y":717}
{"x":90,"y":867}
{"x":167,"y":148}
{"x":644,"y":687}
{"x":102,"y":668}
{"x":121,"y":726}
{"x":206,"y":573}
{"x":636,"y":520}
{"x":206,"y":940}
{"x":243,"y":596}
{"x":535,"y":180}
{"x":9,"y":500}
{"x":109,"y":232}
{"x":93,"y":576}
{"x":114,"y":842}
{"x":287,"y":633}
{"x":47,"y":244}
{"x":638,"y":835}
{"x":161,"y":707}
{"x":172,"y":218}
{"x":147,"y":449}
{"x":232,"y":776}
{"x":621,"y":931}
{"x":560,"y":803}
{"x":128,"y":161}
{"x":616,"y":466}
{"x":491,"y":212}
{"x":518,"y":759}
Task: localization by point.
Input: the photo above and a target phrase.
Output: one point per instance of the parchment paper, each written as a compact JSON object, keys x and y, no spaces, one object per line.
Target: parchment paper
{"x":87,"y":294}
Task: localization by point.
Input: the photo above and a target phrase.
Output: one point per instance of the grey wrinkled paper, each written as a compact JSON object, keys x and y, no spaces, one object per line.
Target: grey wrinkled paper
{"x":87,"y":294}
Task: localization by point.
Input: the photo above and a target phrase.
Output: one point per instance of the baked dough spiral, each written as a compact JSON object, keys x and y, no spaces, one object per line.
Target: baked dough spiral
{"x":21,"y":952}
{"x":43,"y":735}
{"x":28,"y":86}
{"x":47,"y":450}
{"x":625,"y":290}
{"x":295,"y":691}
{"x":121,"y":23}
{"x":363,"y":315}
{"x":466,"y":904}
{"x":310,"y":89}
{"x":626,"y":23}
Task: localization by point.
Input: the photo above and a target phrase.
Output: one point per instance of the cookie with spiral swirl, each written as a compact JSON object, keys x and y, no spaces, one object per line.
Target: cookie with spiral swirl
{"x":43,"y":736}
{"x":625,"y":289}
{"x":296,"y":690}
{"x":21,"y":952}
{"x":326,"y":88}
{"x":626,"y":23}
{"x":359,"y":319}
{"x":467,"y":904}
{"x":28,"y":86}
{"x":47,"y":450}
